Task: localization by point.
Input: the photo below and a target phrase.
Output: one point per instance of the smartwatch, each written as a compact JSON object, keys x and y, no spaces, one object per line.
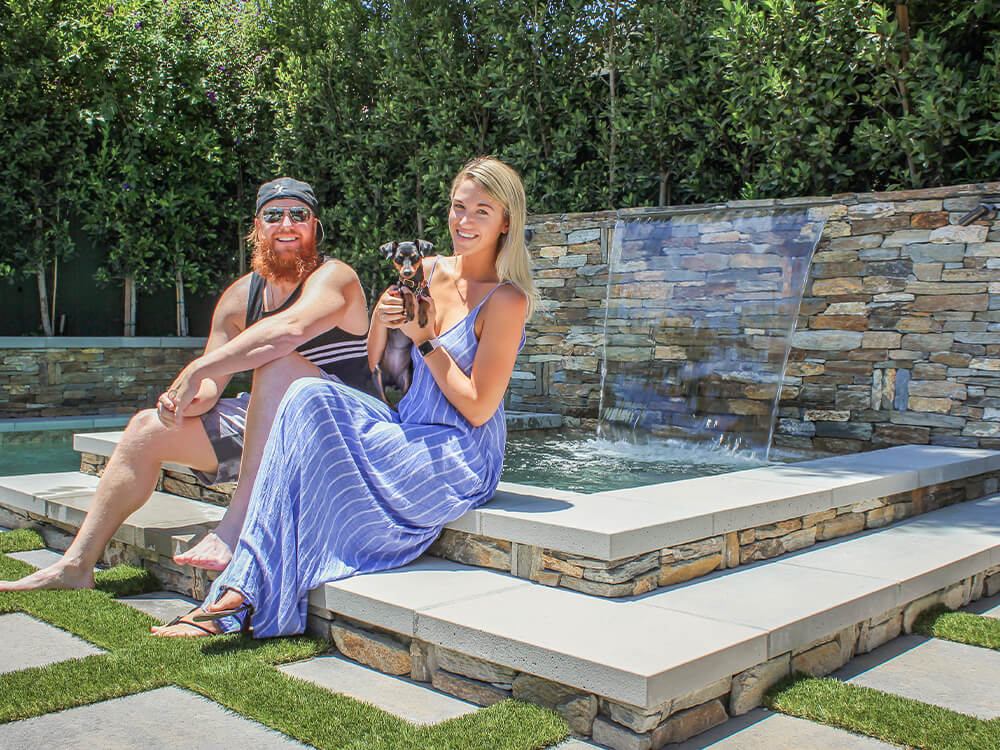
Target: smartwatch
{"x":428,"y":346}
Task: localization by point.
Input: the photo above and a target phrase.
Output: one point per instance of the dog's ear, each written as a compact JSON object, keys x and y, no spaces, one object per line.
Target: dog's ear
{"x":424,"y":247}
{"x":388,"y":249}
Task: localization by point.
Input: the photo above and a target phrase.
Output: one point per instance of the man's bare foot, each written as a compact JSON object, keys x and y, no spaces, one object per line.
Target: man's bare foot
{"x":211,"y":553}
{"x":57,"y":576}
{"x":185,"y":627}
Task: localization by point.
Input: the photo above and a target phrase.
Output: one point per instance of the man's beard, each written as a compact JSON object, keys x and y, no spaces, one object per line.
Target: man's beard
{"x":283,"y":267}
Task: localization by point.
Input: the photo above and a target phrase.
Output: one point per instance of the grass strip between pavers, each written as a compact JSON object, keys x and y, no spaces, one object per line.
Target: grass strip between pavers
{"x":961,"y":627}
{"x":892,"y":718}
{"x":238,"y":673}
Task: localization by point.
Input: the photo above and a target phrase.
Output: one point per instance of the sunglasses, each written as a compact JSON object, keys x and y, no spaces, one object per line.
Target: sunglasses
{"x":273,"y":215}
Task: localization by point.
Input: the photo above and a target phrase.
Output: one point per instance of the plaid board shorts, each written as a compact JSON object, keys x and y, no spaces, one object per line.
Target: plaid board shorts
{"x":225,"y":424}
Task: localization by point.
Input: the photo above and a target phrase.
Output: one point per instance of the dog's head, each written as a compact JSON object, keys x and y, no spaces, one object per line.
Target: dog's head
{"x":405,"y":256}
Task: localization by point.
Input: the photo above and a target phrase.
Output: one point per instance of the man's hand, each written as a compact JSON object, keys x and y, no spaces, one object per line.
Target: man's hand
{"x":182,"y":394}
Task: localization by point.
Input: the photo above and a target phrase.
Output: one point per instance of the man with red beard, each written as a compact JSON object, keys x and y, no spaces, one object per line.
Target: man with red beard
{"x":296,"y":315}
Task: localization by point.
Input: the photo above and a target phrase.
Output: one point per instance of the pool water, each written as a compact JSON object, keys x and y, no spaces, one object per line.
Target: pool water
{"x":563,"y":459}
{"x":37,"y":452}
{"x":582,"y":462}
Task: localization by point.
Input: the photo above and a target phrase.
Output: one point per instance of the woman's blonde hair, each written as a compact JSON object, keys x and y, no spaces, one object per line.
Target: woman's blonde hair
{"x":503,"y":184}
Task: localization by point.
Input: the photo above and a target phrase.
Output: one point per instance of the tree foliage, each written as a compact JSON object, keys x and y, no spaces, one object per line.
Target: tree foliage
{"x":146,"y":125}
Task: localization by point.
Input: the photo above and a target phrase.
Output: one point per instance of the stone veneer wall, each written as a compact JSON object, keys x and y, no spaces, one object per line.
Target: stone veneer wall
{"x":54,"y":377}
{"x":897,"y":341}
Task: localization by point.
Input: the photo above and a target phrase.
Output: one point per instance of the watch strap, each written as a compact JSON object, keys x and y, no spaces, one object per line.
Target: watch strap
{"x":428,"y":346}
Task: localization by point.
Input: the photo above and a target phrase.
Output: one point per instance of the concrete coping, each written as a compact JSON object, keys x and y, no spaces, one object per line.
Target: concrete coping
{"x":101,"y":342}
{"x":623,"y":523}
{"x":42,"y":424}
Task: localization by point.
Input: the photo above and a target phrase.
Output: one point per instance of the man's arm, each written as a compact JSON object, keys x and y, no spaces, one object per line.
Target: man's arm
{"x":228,"y":320}
{"x":325,"y":298}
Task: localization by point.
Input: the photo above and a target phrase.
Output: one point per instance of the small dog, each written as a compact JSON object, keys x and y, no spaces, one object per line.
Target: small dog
{"x":395,"y":367}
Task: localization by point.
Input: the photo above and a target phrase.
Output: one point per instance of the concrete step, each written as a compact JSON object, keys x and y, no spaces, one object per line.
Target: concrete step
{"x":164,"y":525}
{"x":627,"y":542}
{"x":718,"y":626}
{"x":711,"y":645}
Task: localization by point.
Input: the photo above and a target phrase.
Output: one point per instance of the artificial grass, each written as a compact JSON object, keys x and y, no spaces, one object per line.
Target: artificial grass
{"x":20,"y":540}
{"x":961,"y":627}
{"x":891,"y":718}
{"x":239,"y":673}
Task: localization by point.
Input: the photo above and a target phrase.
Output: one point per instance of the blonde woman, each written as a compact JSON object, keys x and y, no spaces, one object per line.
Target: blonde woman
{"x":349,"y":486}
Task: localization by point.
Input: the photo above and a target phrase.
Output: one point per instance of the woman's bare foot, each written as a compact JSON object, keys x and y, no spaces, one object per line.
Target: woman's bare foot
{"x":211,"y":553}
{"x":185,"y":627}
{"x":59,"y":575}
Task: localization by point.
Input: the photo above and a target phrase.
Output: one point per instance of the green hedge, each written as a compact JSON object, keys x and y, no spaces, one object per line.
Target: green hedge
{"x":146,"y":125}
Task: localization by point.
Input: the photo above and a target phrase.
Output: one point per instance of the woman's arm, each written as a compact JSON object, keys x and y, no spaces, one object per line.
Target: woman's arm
{"x":478,"y":395}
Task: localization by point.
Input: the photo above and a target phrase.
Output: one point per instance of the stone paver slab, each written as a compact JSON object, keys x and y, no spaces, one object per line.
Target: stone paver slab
{"x":40,"y":558}
{"x":627,"y":651}
{"x":763,"y":730}
{"x":165,"y":719}
{"x":26,"y":642}
{"x":406,"y":699}
{"x":391,"y":598}
{"x":988,"y":607}
{"x":162,"y":605}
{"x":795,"y":604}
{"x":952,"y":675}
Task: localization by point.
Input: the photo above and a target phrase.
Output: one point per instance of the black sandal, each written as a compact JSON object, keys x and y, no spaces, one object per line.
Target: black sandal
{"x":245,"y":609}
{"x":179,"y":620}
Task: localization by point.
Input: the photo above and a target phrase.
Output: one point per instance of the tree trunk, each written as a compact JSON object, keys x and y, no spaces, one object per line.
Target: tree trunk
{"x":240,"y":234}
{"x":420,"y":217}
{"x":43,"y":295}
{"x":55,"y":287}
{"x":129,"y":306}
{"x":182,"y":321}
{"x":612,"y":132}
{"x":903,"y":19}
{"x":43,"y":301}
{"x":664,"y":190}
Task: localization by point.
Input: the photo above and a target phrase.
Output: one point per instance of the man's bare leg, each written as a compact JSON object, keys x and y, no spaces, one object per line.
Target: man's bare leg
{"x":126,"y":484}
{"x":269,"y":385}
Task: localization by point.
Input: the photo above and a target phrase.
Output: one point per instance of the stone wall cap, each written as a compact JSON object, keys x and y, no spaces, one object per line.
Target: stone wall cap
{"x":101,"y":342}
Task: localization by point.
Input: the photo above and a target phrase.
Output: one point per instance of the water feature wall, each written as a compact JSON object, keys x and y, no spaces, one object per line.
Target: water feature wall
{"x":699,"y":313}
{"x":897,"y":339}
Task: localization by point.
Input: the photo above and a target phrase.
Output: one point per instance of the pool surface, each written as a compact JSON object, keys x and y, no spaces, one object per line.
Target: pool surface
{"x":38,"y":452}
{"x":582,"y":462}
{"x":562,"y":459}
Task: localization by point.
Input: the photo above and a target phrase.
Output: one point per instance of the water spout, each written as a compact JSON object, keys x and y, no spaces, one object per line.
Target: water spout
{"x":699,"y":314}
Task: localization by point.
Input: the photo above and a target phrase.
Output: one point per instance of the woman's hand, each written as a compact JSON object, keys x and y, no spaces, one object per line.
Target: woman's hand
{"x":419,"y":334}
{"x":389,"y":308}
{"x":390,"y":311}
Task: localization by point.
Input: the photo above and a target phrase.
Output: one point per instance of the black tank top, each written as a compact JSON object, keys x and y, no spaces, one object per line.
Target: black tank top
{"x":336,"y":352}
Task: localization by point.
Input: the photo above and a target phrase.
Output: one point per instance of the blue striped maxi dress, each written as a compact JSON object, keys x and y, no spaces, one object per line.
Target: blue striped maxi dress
{"x":347,"y":485}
